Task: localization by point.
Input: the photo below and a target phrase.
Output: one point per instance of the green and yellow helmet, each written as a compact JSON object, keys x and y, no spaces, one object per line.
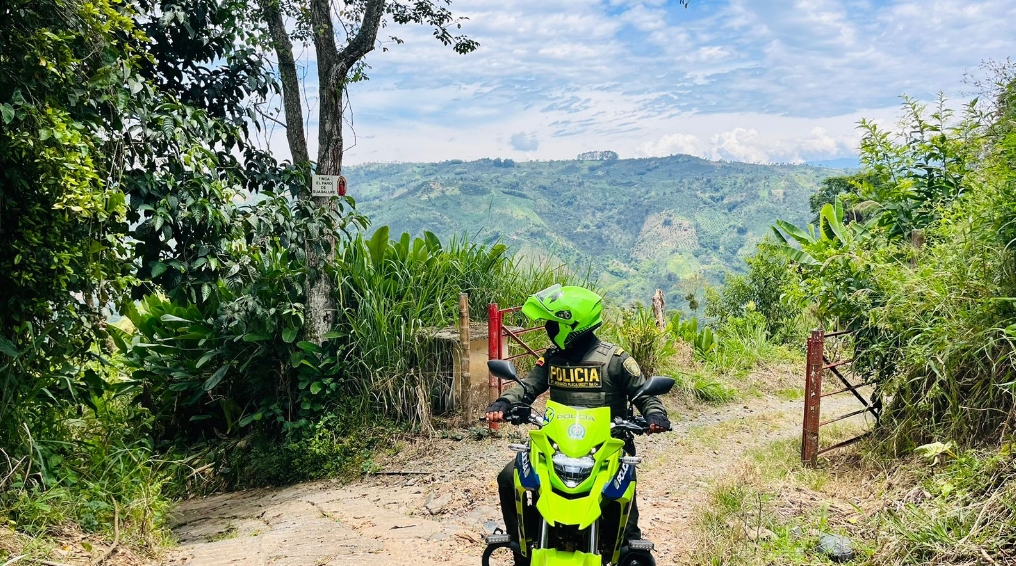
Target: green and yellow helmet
{"x":576,"y":310}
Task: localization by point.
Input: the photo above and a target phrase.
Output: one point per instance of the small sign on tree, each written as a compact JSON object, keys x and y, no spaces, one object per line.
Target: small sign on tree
{"x":328,"y":186}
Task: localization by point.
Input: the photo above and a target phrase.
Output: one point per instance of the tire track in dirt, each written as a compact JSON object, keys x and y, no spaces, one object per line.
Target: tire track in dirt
{"x":441,"y":515}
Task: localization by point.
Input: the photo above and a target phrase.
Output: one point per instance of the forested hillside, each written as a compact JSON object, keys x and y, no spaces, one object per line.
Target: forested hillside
{"x":676,"y":223}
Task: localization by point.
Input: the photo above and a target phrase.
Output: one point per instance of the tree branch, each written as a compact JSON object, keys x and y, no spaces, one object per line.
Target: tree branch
{"x":363,"y":43}
{"x":290,"y":82}
{"x":324,"y":41}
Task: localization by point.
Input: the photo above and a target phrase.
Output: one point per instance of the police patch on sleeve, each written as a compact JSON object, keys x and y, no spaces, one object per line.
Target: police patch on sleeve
{"x":632,"y":367}
{"x":540,"y":361}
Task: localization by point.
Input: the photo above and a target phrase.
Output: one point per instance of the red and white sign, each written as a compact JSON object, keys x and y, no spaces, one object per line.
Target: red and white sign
{"x":328,"y":186}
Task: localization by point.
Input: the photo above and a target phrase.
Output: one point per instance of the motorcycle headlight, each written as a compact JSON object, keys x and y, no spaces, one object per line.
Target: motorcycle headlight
{"x":572,"y":471}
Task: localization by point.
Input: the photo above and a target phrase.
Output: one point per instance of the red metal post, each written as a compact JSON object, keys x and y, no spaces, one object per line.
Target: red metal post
{"x":493,"y":352}
{"x":502,"y":347}
{"x":812,"y":399}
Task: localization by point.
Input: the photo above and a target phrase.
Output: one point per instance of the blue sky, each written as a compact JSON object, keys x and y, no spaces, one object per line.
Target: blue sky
{"x":746,"y":80}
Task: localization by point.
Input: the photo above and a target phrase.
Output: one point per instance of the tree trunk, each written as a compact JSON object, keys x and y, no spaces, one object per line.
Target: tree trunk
{"x":333,"y":68}
{"x":659,"y":306}
{"x":292,"y":109}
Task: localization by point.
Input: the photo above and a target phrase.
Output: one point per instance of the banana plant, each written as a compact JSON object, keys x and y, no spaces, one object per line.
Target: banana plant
{"x":831,"y":237}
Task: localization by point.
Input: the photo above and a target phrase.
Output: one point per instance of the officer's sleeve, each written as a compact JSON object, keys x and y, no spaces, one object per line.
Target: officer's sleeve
{"x":627,"y":367}
{"x":536,"y":384}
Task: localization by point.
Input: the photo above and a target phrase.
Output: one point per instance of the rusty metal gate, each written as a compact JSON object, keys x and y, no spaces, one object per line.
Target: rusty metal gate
{"x":501,"y":338}
{"x":818,"y":365}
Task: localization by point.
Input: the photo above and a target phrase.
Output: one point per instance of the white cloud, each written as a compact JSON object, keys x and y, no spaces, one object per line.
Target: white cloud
{"x":521,"y":141}
{"x":771,"y":140}
{"x":784,"y":80}
{"x":672,"y":144}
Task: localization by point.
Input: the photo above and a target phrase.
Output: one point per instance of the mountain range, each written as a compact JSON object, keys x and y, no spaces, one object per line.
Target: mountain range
{"x":677,"y":223}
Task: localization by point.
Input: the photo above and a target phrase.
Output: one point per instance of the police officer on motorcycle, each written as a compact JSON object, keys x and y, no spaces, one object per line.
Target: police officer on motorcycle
{"x":571,"y":315}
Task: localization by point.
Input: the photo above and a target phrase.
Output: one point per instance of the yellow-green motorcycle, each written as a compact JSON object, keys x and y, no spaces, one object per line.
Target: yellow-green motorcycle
{"x":574,"y":484}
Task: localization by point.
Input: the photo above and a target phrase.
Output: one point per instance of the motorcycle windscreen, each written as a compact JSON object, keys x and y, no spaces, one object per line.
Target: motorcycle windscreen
{"x":576,"y":430}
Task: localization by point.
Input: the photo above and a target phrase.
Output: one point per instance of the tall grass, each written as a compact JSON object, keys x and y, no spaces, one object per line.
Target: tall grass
{"x":635,"y":330}
{"x":657,"y":352}
{"x":395,"y":294}
{"x":744,"y":344}
{"x":91,"y":470}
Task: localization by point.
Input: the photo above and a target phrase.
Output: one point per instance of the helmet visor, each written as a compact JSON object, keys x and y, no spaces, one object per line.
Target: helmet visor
{"x":536,"y":305}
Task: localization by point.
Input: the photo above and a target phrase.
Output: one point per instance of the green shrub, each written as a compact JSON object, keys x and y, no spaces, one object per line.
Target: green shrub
{"x":770,"y":286}
{"x":337,"y":445}
{"x":91,"y":469}
{"x":703,"y":342}
{"x":927,"y":283}
{"x":637,"y":333}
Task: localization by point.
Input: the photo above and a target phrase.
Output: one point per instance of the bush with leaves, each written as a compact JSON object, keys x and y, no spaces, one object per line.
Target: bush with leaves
{"x":926,"y":282}
{"x":772,"y":288}
{"x":702,"y":341}
{"x":636,"y":331}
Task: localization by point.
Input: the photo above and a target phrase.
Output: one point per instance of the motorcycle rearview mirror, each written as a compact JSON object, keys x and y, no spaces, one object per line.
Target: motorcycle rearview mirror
{"x":504,"y":370}
{"x":655,"y":385}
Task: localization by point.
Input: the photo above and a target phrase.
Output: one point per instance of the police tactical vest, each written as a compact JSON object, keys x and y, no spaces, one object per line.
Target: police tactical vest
{"x":586,"y":383}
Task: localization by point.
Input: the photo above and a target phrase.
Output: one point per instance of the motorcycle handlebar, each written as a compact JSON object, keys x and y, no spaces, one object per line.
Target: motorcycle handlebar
{"x":637,"y":425}
{"x":519,"y":414}
{"x":523,"y":414}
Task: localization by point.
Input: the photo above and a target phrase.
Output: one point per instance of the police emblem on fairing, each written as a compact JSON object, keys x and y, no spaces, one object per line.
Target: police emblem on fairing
{"x":576,"y":432}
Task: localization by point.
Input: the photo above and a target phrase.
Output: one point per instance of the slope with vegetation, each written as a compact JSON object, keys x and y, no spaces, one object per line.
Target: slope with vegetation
{"x":677,"y":223}
{"x":914,"y":255}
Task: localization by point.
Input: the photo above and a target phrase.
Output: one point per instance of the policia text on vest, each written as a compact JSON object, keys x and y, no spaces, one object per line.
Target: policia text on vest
{"x":575,"y":377}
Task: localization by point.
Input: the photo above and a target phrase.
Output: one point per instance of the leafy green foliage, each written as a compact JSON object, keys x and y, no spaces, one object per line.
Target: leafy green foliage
{"x":340,"y":444}
{"x":87,"y":467}
{"x":926,"y":281}
{"x":833,"y":272}
{"x":847,"y":189}
{"x":637,"y":333}
{"x":926,"y":169}
{"x":771,"y":287}
{"x":395,"y":294}
{"x":61,"y":65}
{"x":702,"y":341}
{"x":123,"y":159}
{"x":745,"y":342}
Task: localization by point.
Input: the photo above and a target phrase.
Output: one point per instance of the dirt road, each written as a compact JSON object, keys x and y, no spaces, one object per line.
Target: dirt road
{"x":440,"y":513}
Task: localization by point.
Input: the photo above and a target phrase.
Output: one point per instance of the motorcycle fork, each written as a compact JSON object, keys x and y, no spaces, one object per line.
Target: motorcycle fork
{"x":594,"y":536}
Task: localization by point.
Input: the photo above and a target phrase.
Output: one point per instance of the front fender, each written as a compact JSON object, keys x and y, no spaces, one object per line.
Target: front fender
{"x":554,"y":557}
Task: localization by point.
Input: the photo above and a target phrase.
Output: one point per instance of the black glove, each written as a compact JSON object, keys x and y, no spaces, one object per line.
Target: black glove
{"x":658,"y":419}
{"x":500,"y":405}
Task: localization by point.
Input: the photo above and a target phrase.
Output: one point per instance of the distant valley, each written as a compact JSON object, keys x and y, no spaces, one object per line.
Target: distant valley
{"x":677,"y":223}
